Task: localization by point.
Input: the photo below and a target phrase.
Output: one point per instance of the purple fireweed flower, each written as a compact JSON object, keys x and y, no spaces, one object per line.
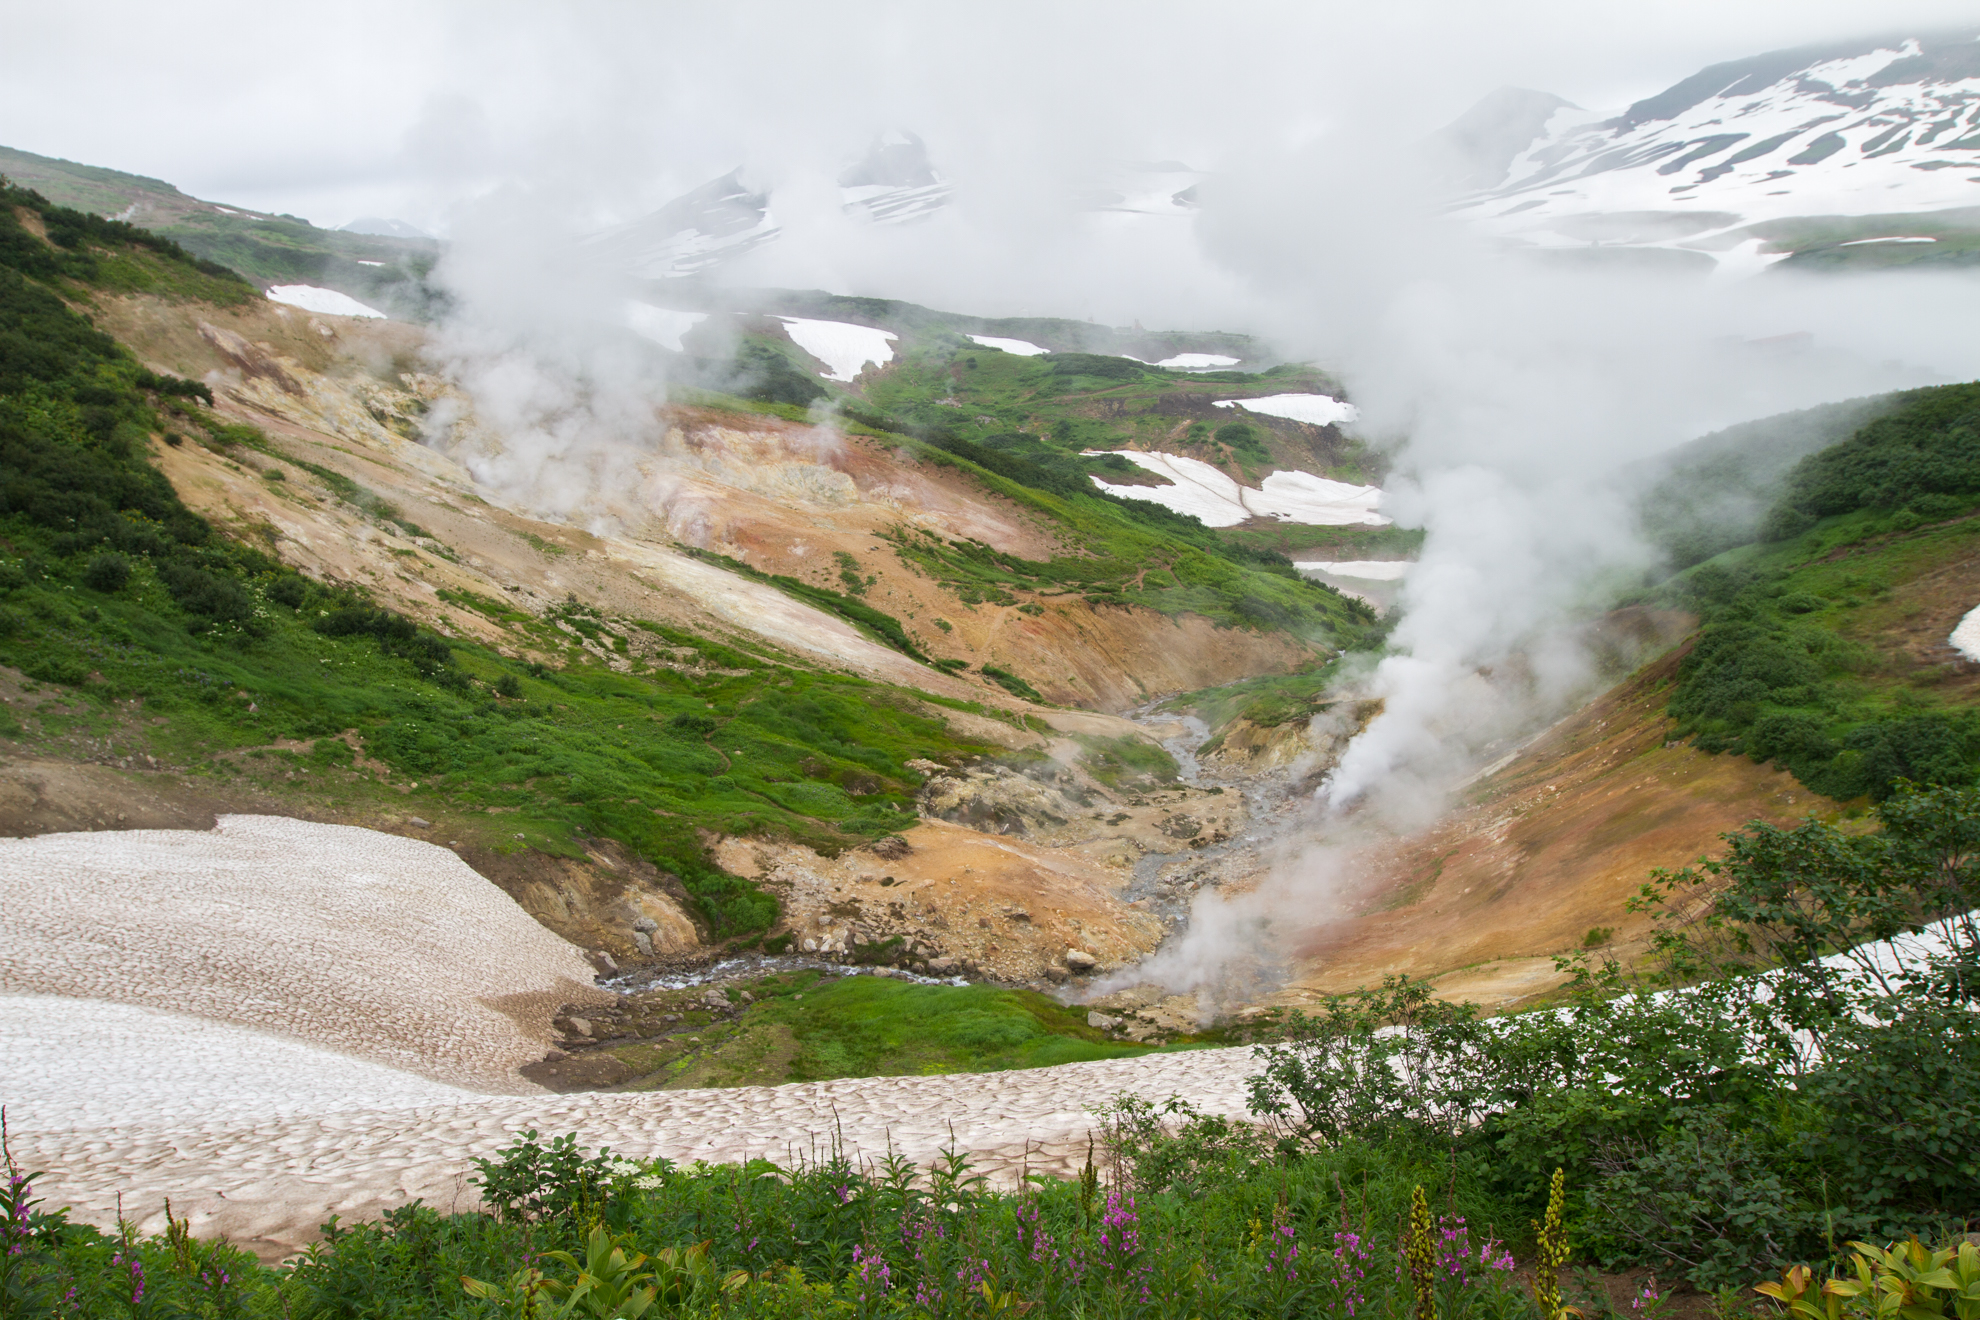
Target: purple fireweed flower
{"x":870,"y":1267}
{"x":1343,"y":1270}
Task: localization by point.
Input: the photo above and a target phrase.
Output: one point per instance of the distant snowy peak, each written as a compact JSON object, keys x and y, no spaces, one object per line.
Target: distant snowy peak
{"x":1155,"y":187}
{"x":380,"y":227}
{"x":717,"y":222}
{"x":1880,"y":127}
{"x":895,"y":183}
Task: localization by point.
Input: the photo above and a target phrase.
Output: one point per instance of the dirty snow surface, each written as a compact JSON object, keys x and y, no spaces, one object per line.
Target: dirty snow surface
{"x":663,"y":325}
{"x":1965,"y":637}
{"x":1206,"y":492}
{"x":326,"y":301}
{"x":844,"y":348}
{"x":1021,"y":347}
{"x":340,"y":938}
{"x":1318,"y":409}
{"x":274,"y":1021}
{"x":1371,"y":570}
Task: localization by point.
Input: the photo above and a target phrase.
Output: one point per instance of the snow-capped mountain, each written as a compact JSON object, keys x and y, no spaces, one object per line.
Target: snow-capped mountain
{"x":1888,"y":127}
{"x":717,"y":222}
{"x":895,"y":184}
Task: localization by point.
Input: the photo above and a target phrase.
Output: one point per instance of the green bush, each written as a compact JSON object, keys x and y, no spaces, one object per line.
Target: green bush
{"x":107,"y":573}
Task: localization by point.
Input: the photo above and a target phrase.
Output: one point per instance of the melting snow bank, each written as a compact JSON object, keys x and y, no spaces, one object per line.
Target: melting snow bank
{"x":89,"y":1063}
{"x":663,"y":325}
{"x":1204,"y":491}
{"x":1021,"y":347}
{"x":1317,"y":409}
{"x":840,"y":345}
{"x":326,"y":301}
{"x":1965,"y":637}
{"x":1372,"y":570}
{"x":340,"y":939}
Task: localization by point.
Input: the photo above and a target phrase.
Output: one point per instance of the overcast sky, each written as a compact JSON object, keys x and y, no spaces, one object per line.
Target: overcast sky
{"x":405,"y":108}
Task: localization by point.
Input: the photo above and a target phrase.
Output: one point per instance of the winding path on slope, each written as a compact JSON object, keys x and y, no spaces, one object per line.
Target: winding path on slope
{"x":275,"y":1021}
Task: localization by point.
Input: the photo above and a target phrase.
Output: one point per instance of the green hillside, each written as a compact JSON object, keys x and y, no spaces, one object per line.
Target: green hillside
{"x":116,"y":594}
{"x":1800,"y":659}
{"x":387,"y":273}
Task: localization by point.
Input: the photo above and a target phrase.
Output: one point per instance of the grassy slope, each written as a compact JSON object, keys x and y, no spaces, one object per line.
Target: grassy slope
{"x":109,"y":586}
{"x":267,"y":249}
{"x":808,"y":1025}
{"x":1798,"y":660}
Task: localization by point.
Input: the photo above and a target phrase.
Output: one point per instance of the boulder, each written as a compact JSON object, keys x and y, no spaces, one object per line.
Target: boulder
{"x":1079,"y":960}
{"x":1101,"y":1022}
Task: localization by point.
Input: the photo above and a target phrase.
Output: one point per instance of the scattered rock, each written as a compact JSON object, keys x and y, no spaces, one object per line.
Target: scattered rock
{"x":419,"y":824}
{"x":893,"y":848}
{"x":1080,"y":961}
{"x":646,"y":925}
{"x":1057,"y":975}
{"x":1101,"y":1021}
{"x":942,"y":966}
{"x":579,"y":1026}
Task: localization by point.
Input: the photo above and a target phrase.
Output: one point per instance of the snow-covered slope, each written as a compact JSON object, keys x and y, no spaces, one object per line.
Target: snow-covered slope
{"x":1207,"y":493}
{"x":1883,"y":127}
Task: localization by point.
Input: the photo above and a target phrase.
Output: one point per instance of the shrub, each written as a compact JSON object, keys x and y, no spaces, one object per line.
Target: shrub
{"x":108,"y":573}
{"x":289,"y":590}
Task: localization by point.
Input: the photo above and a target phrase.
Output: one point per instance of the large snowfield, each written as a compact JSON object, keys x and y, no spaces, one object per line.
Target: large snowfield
{"x":1315,"y":409}
{"x":327,"y":302}
{"x":276,"y":1021}
{"x":1208,"y":494}
{"x":844,"y":348}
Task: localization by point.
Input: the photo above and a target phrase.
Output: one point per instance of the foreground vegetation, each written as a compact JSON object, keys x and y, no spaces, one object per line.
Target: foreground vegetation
{"x":1787,"y":1112}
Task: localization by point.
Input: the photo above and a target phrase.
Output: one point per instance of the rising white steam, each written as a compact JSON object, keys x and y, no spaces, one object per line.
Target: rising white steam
{"x":1511,"y":395}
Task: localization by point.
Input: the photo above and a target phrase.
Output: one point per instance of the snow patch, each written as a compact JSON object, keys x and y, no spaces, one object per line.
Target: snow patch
{"x":328,"y":302}
{"x":1965,"y":637}
{"x":1371,"y":570}
{"x":363,"y":262}
{"x":663,"y":325}
{"x":1859,"y":242}
{"x":1317,"y":409}
{"x":843,"y":347}
{"x":1197,"y":362}
{"x":1021,"y":347}
{"x":1207,"y":493}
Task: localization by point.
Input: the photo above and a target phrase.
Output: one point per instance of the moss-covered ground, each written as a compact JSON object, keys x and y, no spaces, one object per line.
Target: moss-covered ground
{"x":811,"y":1025}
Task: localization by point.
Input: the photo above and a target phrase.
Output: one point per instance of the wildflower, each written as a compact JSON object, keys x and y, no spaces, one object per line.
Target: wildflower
{"x":870,"y":1269}
{"x":649,"y":1182}
{"x":1120,"y":1234}
{"x":1283,"y":1257}
{"x":1343,"y":1271}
